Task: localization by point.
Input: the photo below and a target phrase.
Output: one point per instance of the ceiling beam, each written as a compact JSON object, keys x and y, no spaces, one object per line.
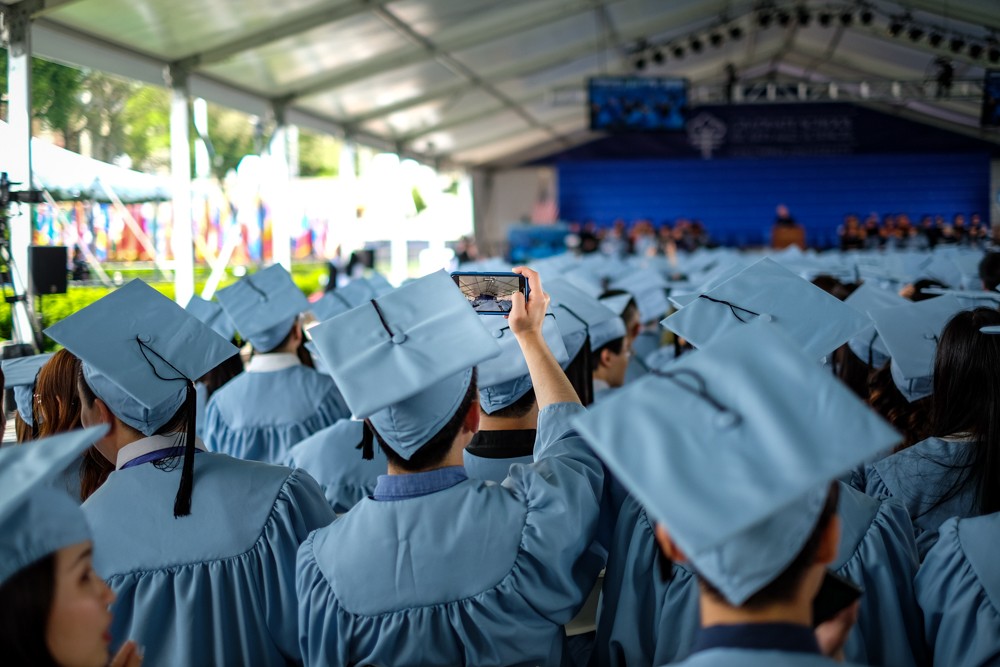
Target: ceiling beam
{"x":490,"y":29}
{"x":989,"y":19}
{"x":276,"y":32}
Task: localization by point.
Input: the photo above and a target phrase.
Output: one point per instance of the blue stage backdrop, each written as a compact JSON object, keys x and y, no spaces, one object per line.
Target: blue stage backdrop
{"x":735,"y":198}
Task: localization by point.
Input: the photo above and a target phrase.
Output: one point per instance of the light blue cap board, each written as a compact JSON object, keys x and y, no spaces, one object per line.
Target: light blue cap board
{"x":867,"y":345}
{"x":212,"y":314}
{"x":36,"y":517}
{"x":732,"y":448}
{"x":328,"y":306}
{"x":505,"y":378}
{"x":138,"y":350}
{"x":19,"y":374}
{"x":579,"y":315}
{"x":969,"y":297}
{"x":818,"y":322}
{"x":619,"y":302}
{"x":264,"y":306}
{"x":650,"y":291}
{"x":585,"y":280}
{"x":404,"y":360}
{"x":911,"y":333}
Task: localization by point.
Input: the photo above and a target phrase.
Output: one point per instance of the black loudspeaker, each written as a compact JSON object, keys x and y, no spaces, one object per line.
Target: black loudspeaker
{"x":47,"y":268}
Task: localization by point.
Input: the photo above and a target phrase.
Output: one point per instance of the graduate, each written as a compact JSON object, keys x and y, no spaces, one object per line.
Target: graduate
{"x":436,"y":568}
{"x":732,"y":451}
{"x":212,"y":314}
{"x":277,"y":401}
{"x":198,"y":547}
{"x":955,"y":472}
{"x":959,"y":593}
{"x":53,"y":607}
{"x":508,"y":412}
{"x":20,"y":374}
{"x":333,"y":458}
{"x":609,"y":356}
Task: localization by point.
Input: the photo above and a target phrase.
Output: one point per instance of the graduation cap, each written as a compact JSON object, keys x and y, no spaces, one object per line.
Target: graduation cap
{"x":505,"y":379}
{"x":968,"y":297}
{"x":404,"y":360}
{"x":815,"y":320}
{"x":329,"y":305}
{"x":867,"y":345}
{"x":20,"y":374}
{"x":733,"y":448}
{"x":585,"y":280}
{"x":911,"y":333}
{"x":264,"y":306}
{"x":617,"y":303}
{"x":141,"y":354}
{"x":212,"y":314}
{"x":36,"y":517}
{"x":580,"y":315}
{"x":649,"y":289}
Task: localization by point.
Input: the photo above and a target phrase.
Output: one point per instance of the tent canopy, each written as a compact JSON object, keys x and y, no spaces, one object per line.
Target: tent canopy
{"x":496,"y":82}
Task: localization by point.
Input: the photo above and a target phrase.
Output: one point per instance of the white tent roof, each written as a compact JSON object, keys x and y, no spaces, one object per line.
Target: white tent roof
{"x":474,"y":81}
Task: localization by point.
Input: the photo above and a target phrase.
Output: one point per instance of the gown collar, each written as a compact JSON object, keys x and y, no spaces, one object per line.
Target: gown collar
{"x":270,"y":362}
{"x":151,"y":444}
{"x":785,"y":637}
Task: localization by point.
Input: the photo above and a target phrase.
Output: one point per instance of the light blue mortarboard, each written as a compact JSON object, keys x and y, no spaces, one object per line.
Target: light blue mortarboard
{"x":19,"y":374}
{"x":264,"y":306}
{"x":733,"y":448}
{"x":650,"y":291}
{"x":329,"y":305}
{"x":970,"y":297}
{"x":867,"y":345}
{"x":36,"y":518}
{"x":584,"y":279}
{"x":911,"y":333}
{"x":404,"y":360}
{"x":213,"y":315}
{"x":379,"y":283}
{"x":619,"y":302}
{"x":139,"y":349}
{"x":504,"y":379}
{"x":818,"y":322}
{"x":580,"y":315}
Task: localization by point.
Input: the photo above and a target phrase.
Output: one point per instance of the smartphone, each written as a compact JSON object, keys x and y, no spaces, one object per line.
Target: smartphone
{"x":836,"y":594}
{"x":491,"y":293}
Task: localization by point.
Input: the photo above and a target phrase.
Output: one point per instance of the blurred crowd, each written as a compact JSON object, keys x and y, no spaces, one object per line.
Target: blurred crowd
{"x":897,"y":232}
{"x":642,"y":238}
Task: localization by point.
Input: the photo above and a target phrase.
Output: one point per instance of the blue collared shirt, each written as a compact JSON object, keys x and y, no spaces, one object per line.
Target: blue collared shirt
{"x":414,"y":485}
{"x":787,"y":637}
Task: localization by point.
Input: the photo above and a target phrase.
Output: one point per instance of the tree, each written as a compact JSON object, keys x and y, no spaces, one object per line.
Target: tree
{"x":55,"y":95}
{"x":319,"y":155}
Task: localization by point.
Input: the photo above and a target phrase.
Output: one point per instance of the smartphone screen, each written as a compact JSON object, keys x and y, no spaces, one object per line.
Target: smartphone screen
{"x":836,"y":594}
{"x":490,"y":293}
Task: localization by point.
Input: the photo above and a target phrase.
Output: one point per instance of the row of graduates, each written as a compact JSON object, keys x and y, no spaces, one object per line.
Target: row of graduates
{"x":490,"y":573}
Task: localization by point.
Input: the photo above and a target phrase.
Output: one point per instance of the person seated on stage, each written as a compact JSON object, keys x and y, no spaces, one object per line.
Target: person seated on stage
{"x":436,"y":568}
{"x":198,"y":547}
{"x":732,"y":451}
{"x":508,"y":412}
{"x":53,"y":607}
{"x":954,"y":473}
{"x":277,"y":401}
{"x":958,"y":589}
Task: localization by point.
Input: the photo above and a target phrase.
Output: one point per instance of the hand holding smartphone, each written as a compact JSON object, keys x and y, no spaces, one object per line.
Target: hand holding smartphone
{"x":491,"y":293}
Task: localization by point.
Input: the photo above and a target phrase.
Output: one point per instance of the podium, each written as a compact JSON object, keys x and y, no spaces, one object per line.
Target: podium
{"x":783,"y":236}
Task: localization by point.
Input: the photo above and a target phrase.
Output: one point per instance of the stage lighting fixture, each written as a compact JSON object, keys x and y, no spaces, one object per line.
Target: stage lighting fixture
{"x":658,"y":57}
{"x":784,"y":18}
{"x":935,"y":39}
{"x":678,"y":52}
{"x":695,"y":45}
{"x":846,"y":18}
{"x":975,"y":50}
{"x":994,"y":54}
{"x":802,"y":16}
{"x":715,"y":39}
{"x":956,"y":44}
{"x":867,"y":17}
{"x":895,"y":27}
{"x":640,"y":62}
{"x":764,"y":19}
{"x":825,"y":18}
{"x":915,"y":33}
{"x":735,"y":32}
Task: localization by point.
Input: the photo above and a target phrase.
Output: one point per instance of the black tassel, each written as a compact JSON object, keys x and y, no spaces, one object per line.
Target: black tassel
{"x":182,"y":503}
{"x":367,"y":444}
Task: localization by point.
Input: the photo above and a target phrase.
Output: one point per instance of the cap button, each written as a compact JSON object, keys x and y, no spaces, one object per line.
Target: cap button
{"x":145,"y":338}
{"x":498,"y":333}
{"x":766,"y":317}
{"x":725,"y":420}
{"x":399,"y":338}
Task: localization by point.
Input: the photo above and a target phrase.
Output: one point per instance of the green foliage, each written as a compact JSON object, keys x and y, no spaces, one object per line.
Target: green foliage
{"x":319,"y":155}
{"x":418,"y":200}
{"x":55,"y":93}
{"x":147,"y":128}
{"x":233,"y":135}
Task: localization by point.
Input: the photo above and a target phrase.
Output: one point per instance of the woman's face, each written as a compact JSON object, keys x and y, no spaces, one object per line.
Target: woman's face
{"x":79,"y":627}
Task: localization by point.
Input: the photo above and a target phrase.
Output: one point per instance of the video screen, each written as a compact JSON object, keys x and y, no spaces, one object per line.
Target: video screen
{"x":991,"y":99}
{"x":489,"y":294}
{"x":645,"y":104}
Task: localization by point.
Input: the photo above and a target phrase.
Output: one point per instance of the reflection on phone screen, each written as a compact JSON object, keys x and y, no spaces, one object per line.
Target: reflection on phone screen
{"x":489,"y":294}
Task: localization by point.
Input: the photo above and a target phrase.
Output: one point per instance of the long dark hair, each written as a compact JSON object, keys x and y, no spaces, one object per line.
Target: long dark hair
{"x":910,"y":419}
{"x":25,"y":603}
{"x":967,"y":400}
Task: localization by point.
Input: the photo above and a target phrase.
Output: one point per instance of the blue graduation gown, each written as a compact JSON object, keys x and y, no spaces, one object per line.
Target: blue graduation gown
{"x":733,"y":657}
{"x":478,"y":573}
{"x":958,"y":589}
{"x":919,"y":477}
{"x":494,"y":470}
{"x":258,"y":416}
{"x":333,"y":459}
{"x":215,"y":587}
{"x":645,"y":621}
